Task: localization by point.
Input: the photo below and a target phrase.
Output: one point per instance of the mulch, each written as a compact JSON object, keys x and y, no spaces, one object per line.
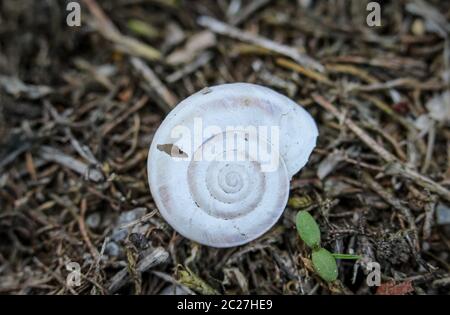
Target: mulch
{"x":79,"y":107}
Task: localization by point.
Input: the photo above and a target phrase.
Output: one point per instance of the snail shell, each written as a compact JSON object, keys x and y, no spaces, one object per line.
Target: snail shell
{"x":224,"y":190}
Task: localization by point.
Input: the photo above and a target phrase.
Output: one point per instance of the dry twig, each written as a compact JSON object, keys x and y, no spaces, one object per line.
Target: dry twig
{"x":233,"y":32}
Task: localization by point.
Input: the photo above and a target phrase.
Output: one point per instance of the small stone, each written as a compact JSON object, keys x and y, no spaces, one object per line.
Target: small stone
{"x":439,"y":107}
{"x":112,"y":249}
{"x":305,"y":3}
{"x":442,"y":214}
{"x":418,"y":27}
{"x":93,"y":220}
{"x":173,"y":290}
{"x":131,"y":216}
{"x":119,"y":234}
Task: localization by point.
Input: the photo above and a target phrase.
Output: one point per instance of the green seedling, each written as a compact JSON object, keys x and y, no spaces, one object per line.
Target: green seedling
{"x":308,"y":229}
{"x":346,"y":256}
{"x":324,"y":262}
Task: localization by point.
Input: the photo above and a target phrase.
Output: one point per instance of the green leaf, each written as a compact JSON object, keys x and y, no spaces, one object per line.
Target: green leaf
{"x":325,"y":265}
{"x":308,"y":229}
{"x":346,"y":256}
{"x":142,"y":28}
{"x":300,"y":202}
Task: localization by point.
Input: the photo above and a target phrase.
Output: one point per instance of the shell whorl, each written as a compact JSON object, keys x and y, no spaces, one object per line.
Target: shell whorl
{"x":227,"y":188}
{"x":220,"y":192}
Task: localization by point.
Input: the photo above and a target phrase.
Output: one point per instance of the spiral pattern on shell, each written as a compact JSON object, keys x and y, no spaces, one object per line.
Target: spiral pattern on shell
{"x":217,"y":191}
{"x":227,"y":189}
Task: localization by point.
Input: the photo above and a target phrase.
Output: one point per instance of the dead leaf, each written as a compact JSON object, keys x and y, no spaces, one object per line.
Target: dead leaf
{"x":390,"y":288}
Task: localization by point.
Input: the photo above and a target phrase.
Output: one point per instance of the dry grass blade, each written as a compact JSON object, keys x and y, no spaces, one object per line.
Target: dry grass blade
{"x":395,"y":166}
{"x":233,"y":32}
{"x":127,"y":44}
{"x":155,"y":84}
{"x":54,"y":155}
{"x":150,"y":259}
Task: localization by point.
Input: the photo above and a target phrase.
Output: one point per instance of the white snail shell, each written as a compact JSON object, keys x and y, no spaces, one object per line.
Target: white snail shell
{"x":228,"y":202}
